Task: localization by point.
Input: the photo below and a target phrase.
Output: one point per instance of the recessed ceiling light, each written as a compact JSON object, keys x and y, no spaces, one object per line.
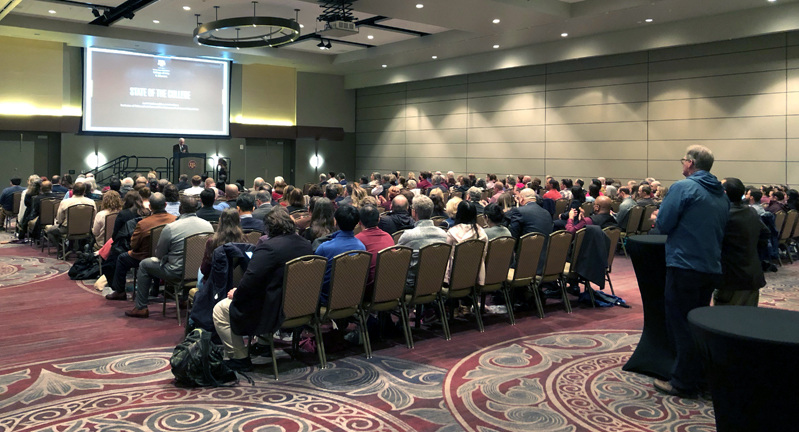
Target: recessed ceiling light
{"x":419,"y":6}
{"x":302,"y":26}
{"x":496,"y":21}
{"x":435,"y":57}
{"x":648,"y":20}
{"x":771,"y":1}
{"x":385,"y":66}
{"x":51,"y":11}
{"x":370,"y":37}
{"x":496,"y":46}
{"x":156,"y":22}
{"x":564,"y":35}
{"x":186,"y":8}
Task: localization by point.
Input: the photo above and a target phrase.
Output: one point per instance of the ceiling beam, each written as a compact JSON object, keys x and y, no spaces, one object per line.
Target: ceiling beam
{"x":8,"y":6}
{"x":125,"y":10}
{"x":373,"y":22}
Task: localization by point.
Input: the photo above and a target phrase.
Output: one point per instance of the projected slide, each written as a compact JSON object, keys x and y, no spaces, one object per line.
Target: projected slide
{"x":126,"y":92}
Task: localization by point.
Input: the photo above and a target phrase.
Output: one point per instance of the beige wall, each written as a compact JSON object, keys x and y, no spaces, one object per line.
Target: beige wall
{"x":31,"y":73}
{"x":322,"y":100}
{"x":626,"y":116}
{"x":270,"y":95}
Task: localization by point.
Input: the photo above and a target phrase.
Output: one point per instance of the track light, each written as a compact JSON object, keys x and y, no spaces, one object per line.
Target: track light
{"x":96,"y":12}
{"x":328,"y":46}
{"x":321,"y":44}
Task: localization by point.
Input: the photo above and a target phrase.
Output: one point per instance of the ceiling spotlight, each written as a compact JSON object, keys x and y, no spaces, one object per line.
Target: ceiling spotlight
{"x":496,"y":21}
{"x":321,"y":45}
{"x":238,"y":48}
{"x":385,"y":66}
{"x":496,"y":46}
{"x":435,"y":57}
{"x":51,"y":11}
{"x":370,"y":37}
{"x":328,"y":46}
{"x":156,"y":22}
{"x":648,"y":20}
{"x":770,"y":1}
{"x":186,"y":8}
{"x":419,"y":6}
{"x":564,"y":35}
{"x":96,"y":12}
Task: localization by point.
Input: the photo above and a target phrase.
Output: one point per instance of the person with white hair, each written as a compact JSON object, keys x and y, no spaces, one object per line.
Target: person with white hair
{"x":127,"y":186}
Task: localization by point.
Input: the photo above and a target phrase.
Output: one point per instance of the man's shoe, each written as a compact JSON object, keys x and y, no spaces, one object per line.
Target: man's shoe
{"x":240,"y":365}
{"x":667,"y":388}
{"x":258,"y":349}
{"x":116,"y":296}
{"x":138,"y":313}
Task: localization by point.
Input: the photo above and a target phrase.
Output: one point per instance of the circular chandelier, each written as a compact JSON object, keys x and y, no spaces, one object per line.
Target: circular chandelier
{"x":274,"y":31}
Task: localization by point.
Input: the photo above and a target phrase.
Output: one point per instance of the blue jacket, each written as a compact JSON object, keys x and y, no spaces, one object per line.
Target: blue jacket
{"x":340,"y":242}
{"x":7,"y":197}
{"x":693,"y":215}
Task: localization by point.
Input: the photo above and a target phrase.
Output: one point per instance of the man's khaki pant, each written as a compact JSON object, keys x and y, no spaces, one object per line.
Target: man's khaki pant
{"x":233,"y":343}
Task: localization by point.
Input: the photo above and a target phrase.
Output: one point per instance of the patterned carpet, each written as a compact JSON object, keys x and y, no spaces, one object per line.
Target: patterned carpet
{"x":82,"y":366}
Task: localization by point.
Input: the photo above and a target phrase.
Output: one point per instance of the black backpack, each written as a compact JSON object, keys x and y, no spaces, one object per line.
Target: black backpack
{"x":197,"y":362}
{"x":86,"y":267}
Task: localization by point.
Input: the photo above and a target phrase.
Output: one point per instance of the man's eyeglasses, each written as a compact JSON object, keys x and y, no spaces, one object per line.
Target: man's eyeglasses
{"x":683,"y":160}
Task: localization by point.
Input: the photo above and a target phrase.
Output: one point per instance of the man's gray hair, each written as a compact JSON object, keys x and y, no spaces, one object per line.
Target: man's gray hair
{"x":474,"y":194}
{"x":263,"y":196}
{"x":157,"y":202}
{"x":437,"y":179}
{"x":702,"y":157}
{"x":127,"y":181}
{"x":423,"y":206}
{"x":322,"y":177}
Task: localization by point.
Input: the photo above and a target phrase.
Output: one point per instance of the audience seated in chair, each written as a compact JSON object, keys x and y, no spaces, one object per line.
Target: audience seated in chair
{"x":229,"y":231}
{"x":254,"y":307}
{"x":208,"y":211}
{"x":231,"y":195}
{"x":466,"y":228}
{"x":245,"y":205}
{"x":776,"y":203}
{"x":494,"y":218}
{"x":373,"y":238}
{"x":322,"y":222}
{"x":263,"y":204}
{"x":626,"y":205}
{"x":340,"y":241}
{"x":423,"y":234}
{"x":645,"y":196}
{"x":55,"y":232}
{"x":601,"y":217}
{"x":111,"y":204}
{"x":398,"y":218}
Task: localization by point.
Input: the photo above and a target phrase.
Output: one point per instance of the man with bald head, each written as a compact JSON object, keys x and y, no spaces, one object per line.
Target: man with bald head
{"x":601,"y":216}
{"x":398,"y":218}
{"x":231,"y":195}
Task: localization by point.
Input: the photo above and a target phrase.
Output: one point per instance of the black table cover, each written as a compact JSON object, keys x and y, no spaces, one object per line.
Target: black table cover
{"x":751,"y":359}
{"x":654,"y":355}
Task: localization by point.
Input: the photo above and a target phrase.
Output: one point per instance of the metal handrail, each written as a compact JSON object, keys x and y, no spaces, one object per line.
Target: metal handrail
{"x":122,"y":166}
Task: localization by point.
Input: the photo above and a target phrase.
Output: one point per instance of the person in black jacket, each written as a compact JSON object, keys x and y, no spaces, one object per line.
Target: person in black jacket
{"x":398,"y":218}
{"x":254,"y":307}
{"x":744,"y":235}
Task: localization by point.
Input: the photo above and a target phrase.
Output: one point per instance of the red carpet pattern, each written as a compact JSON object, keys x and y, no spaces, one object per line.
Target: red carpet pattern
{"x":16,"y":270}
{"x":565,"y":382}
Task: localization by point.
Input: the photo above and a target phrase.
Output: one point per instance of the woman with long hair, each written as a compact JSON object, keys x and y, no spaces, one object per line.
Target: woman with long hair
{"x":439,"y":207}
{"x":358,"y":195}
{"x":465,"y":229}
{"x":505,"y":201}
{"x":145,"y":193}
{"x":111,"y":204}
{"x":23,"y":202}
{"x":280,"y":187}
{"x":132,"y":208}
{"x":228,"y":231}
{"x":295,"y":200}
{"x":322,"y":220}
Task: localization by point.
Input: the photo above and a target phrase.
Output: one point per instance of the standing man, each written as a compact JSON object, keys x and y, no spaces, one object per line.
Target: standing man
{"x":693,"y":215}
{"x":180,"y":147}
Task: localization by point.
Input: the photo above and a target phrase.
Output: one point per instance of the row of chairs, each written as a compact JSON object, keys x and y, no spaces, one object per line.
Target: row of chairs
{"x":786,"y":225}
{"x":303,"y":280}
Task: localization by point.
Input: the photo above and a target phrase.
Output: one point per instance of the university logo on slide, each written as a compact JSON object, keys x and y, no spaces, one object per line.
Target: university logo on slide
{"x":161,"y":63}
{"x":192,"y":164}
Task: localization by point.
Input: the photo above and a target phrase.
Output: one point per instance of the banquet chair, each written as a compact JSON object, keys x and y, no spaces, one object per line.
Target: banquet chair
{"x":779,"y":222}
{"x":528,"y":255}
{"x":568,"y":269}
{"x":47,"y":214}
{"x":499,"y":255}
{"x":391,"y":270}
{"x":79,"y":226}
{"x":17,"y":197}
{"x":646,"y":224}
{"x":588,"y":208}
{"x":613,"y":233}
{"x":560,"y":207}
{"x":433,"y":260}
{"x":557,"y":251}
{"x":438,"y":220}
{"x":193,"y":251}
{"x":466,"y":261}
{"x":347,"y":283}
{"x":396,"y":236}
{"x":787,"y":229}
{"x":633,"y":222}
{"x":252,"y":236}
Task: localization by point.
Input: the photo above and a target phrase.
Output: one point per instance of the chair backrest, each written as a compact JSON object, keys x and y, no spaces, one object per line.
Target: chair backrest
{"x":348,"y":279}
{"x":634,"y":219}
{"x":98,"y":204}
{"x":779,"y":220}
{"x":485,"y":195}
{"x":302,"y":283}
{"x":110,"y":220}
{"x":646,"y":224}
{"x":358,"y":228}
{"x":252,"y":237}
{"x":790,"y":222}
{"x":528,"y":254}
{"x":457,"y":194}
{"x":446,"y":196}
{"x":588,"y":208}
{"x":498,"y":257}
{"x":193,"y":251}
{"x":433,"y":260}
{"x":560,"y":207}
{"x":438,"y":220}
{"x":577,"y":244}
{"x":396,"y":236}
{"x":155,"y":235}
{"x":557,"y":252}
{"x":614,"y":233}
{"x":17,"y":201}
{"x":80,"y":219}
{"x":215,"y":226}
{"x":615,"y":206}
{"x":466,"y":261}
{"x":391,"y":270}
{"x":481,"y":220}
{"x":47,"y":211}
{"x":306,"y":187}
{"x":298,"y":214}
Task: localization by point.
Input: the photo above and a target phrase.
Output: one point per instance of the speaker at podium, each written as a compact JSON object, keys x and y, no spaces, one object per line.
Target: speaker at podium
{"x":190,"y":164}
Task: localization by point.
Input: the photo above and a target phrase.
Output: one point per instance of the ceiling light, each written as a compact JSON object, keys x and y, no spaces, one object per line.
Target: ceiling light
{"x":419,"y":6}
{"x":51,"y":11}
{"x":328,"y":46}
{"x":186,"y":8}
{"x":370,"y":37}
{"x":156,"y":22}
{"x":385,"y":66}
{"x":496,"y":21}
{"x":435,"y":57}
{"x":564,"y":35}
{"x":302,"y":26}
{"x":496,"y":46}
{"x":321,"y":44}
{"x":96,"y":12}
{"x":648,"y":20}
{"x":770,"y":1}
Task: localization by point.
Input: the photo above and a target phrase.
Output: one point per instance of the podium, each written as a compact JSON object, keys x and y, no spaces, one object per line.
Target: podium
{"x":190,"y":164}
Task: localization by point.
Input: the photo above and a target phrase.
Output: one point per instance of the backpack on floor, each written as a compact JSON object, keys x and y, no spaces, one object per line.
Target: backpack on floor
{"x":197,"y":362}
{"x":86,"y":267}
